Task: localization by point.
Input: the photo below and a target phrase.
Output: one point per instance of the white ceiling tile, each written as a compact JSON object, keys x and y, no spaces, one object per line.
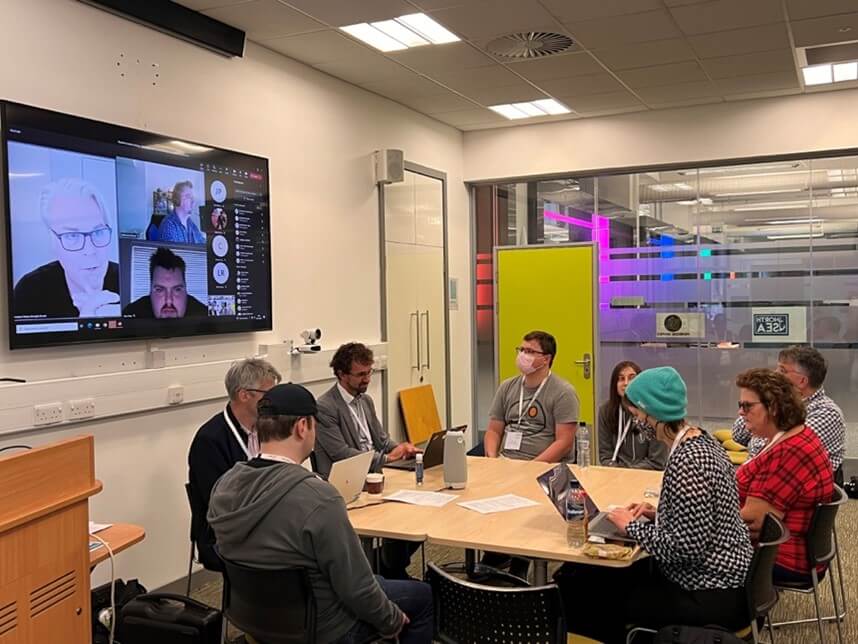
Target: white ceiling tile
{"x":416,"y":87}
{"x":757,"y":83}
{"x":265,"y":19}
{"x":482,"y":18}
{"x":360,"y":69}
{"x":447,"y":102}
{"x":680,"y":92}
{"x":802,"y":9}
{"x":339,"y":13}
{"x":432,"y":5}
{"x":202,"y":5}
{"x":741,"y":41}
{"x":766,"y":94}
{"x":317,"y":48}
{"x":680,"y":3}
{"x":451,"y":56}
{"x":645,"y":54}
{"x":825,"y":30}
{"x":723,"y":15}
{"x":638,"y":27}
{"x":601,"y":102}
{"x":469,"y":117}
{"x":581,"y":85}
{"x":764,"y":62}
{"x":562,"y":66}
{"x":687,"y":102}
{"x":499,"y":95}
{"x":577,"y":10}
{"x":670,"y":74}
{"x":463,"y":80}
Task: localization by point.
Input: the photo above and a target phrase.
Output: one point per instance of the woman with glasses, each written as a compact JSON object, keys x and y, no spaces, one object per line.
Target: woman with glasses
{"x":792,"y":473}
{"x":82,"y":281}
{"x":623,"y":440}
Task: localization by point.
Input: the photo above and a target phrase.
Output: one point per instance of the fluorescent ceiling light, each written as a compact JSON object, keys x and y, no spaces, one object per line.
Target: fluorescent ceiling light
{"x":400,"y":33}
{"x":372,"y":36}
{"x":817,"y":74}
{"x":508,"y":111}
{"x":787,"y":205}
{"x":542,"y":107}
{"x":846,"y":72}
{"x":428,"y":28}
{"x":550,"y":106}
{"x":757,"y":192}
{"x":796,"y":236}
{"x":529,"y":108}
{"x":732,"y":168}
{"x":787,"y":222}
{"x":703,"y":201}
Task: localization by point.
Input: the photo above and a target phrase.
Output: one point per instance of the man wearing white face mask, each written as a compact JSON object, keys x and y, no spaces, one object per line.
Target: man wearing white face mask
{"x":534,"y":415}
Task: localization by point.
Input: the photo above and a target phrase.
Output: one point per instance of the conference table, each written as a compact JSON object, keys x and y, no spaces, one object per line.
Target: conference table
{"x":537,"y":532}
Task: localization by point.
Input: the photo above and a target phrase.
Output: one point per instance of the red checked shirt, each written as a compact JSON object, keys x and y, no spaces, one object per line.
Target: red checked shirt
{"x":793,"y":476}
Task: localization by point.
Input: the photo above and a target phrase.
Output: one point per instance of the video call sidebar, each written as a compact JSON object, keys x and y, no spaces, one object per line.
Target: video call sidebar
{"x":237,"y":250}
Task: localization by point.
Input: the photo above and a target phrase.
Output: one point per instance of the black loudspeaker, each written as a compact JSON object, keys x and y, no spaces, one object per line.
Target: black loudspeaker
{"x":179,"y":21}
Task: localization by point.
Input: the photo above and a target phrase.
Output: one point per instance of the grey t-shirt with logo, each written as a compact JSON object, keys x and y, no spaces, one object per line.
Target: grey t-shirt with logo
{"x":557,"y":403}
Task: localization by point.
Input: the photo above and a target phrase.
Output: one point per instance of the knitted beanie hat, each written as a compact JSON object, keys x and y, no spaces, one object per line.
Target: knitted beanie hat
{"x":659,"y":392}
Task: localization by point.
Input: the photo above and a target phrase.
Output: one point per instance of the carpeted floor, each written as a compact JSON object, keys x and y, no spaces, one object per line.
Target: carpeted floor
{"x":790,"y":606}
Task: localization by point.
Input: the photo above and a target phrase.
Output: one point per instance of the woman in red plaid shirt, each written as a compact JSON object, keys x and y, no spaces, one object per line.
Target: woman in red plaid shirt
{"x":790,"y":476}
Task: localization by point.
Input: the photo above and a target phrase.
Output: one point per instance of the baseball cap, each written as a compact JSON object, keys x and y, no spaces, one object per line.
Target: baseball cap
{"x":287,"y":400}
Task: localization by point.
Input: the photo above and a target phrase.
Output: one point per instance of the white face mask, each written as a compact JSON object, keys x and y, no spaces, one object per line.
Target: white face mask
{"x":524,"y":362}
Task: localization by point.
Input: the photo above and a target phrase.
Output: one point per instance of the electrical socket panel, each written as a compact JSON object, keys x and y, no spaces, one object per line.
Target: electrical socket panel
{"x":175,"y":394}
{"x":48,"y":414}
{"x":81,"y":409}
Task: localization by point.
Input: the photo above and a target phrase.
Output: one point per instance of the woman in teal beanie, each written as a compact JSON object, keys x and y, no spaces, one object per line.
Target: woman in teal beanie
{"x":696,"y":536}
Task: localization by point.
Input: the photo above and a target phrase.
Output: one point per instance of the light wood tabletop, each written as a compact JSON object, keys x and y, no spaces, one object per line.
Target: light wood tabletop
{"x":119,"y":536}
{"x":538,"y":532}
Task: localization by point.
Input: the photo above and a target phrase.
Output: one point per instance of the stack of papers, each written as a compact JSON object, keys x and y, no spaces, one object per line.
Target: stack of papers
{"x":98,"y":527}
{"x":498,"y":504}
{"x":431,"y":499}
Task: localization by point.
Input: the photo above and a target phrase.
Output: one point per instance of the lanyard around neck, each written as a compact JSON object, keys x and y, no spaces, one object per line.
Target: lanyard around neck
{"x":236,"y":434}
{"x":678,"y":440}
{"x":530,"y":402}
{"x":622,"y":431}
{"x":276,"y":457}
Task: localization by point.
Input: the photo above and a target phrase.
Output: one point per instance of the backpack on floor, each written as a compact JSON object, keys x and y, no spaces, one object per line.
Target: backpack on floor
{"x":695,"y":635}
{"x":163,"y":618}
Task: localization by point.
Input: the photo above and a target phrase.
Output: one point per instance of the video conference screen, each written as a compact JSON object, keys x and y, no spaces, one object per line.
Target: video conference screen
{"x":114,"y":233}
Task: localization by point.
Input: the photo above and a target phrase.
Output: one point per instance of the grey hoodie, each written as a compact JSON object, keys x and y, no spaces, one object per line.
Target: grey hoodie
{"x":278,"y":515}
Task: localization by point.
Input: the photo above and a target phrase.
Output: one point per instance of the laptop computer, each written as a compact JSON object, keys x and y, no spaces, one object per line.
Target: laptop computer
{"x":349,"y":474}
{"x":433,"y":453}
{"x":560,"y":485}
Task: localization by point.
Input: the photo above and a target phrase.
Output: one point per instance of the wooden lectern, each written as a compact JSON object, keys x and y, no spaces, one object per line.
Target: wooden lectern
{"x":44,"y":547}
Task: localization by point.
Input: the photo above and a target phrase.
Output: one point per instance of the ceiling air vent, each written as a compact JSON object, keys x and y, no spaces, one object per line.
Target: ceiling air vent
{"x":529,"y":44}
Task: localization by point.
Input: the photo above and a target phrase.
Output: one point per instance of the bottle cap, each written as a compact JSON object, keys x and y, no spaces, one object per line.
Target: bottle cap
{"x":419,"y":457}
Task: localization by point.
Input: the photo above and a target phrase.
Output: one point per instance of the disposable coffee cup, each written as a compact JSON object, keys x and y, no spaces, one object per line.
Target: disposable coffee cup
{"x":374,"y":483}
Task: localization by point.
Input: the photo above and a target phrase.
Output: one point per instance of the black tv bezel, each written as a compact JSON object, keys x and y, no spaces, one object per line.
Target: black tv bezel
{"x":204,"y":326}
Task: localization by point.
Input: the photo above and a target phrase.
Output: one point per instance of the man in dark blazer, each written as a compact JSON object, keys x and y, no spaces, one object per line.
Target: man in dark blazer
{"x":348,"y":425}
{"x":226,"y":438}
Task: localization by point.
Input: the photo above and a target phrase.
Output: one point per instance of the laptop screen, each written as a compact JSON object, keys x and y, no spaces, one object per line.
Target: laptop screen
{"x":564,"y":491}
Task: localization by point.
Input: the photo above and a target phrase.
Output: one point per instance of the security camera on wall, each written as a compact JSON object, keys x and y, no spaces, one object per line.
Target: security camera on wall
{"x":311,"y":339}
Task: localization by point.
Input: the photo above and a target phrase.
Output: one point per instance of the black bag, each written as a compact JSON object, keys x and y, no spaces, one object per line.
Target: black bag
{"x":695,"y":635}
{"x":123,"y":593}
{"x":168,"y":619}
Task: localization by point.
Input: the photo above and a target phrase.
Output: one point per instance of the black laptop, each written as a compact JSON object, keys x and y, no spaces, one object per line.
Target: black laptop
{"x":433,"y":453}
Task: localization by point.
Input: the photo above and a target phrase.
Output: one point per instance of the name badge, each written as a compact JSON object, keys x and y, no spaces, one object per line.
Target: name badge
{"x":512,"y":441}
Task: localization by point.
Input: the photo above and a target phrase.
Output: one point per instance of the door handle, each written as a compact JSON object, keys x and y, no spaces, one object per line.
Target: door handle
{"x":587,"y":363}
{"x":428,"y":350}
{"x":415,"y":316}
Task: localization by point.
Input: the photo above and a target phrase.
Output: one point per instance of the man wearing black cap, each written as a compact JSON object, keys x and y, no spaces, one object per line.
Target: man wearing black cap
{"x":270,"y":512}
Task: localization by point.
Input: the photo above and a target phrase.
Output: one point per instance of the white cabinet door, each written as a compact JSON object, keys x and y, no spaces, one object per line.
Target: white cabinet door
{"x":428,"y":210}
{"x":430,"y":304}
{"x":399,"y":211}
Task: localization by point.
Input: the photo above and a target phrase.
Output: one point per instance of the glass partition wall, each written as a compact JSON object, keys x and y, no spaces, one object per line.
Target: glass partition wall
{"x":751,"y":258}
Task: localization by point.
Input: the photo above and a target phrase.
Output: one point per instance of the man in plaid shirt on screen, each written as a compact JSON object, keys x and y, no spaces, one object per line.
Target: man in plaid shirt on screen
{"x":805,"y":368}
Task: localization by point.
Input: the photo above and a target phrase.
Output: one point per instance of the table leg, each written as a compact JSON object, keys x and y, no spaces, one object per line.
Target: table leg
{"x":540,"y":572}
{"x":372,"y":553}
{"x":470,"y":562}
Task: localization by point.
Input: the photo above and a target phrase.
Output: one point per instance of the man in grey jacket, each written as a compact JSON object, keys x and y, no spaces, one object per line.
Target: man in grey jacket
{"x":270,"y":512}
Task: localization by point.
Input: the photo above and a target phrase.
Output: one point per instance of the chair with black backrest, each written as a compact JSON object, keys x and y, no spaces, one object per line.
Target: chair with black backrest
{"x":191,"y":557}
{"x":760,"y":592}
{"x":272,"y":606}
{"x":469,"y":612}
{"x":821,"y":549}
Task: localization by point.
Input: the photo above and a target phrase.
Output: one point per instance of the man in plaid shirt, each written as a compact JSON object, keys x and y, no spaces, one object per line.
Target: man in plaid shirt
{"x":805,"y":368}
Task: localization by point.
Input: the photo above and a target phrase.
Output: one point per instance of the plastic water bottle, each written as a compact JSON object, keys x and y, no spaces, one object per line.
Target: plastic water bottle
{"x":418,"y":468}
{"x":582,"y":448}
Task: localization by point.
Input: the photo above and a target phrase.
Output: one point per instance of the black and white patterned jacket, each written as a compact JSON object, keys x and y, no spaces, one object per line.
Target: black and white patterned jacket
{"x":698,"y":538}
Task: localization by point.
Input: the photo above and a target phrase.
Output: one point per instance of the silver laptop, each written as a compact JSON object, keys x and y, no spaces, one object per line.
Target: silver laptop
{"x":348,"y":475}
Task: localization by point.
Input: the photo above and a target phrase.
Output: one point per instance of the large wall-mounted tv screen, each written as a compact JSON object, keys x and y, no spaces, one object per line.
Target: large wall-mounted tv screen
{"x":115,"y":233}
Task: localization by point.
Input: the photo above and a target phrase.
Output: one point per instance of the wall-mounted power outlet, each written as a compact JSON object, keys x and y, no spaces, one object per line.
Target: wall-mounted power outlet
{"x":175,"y":394}
{"x":48,"y":414}
{"x":81,"y":409}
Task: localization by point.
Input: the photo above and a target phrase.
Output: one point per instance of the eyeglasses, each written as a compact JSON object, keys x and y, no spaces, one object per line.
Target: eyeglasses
{"x":363,"y":374}
{"x":528,"y":351}
{"x":258,"y":391}
{"x":73,"y":242}
{"x":747,"y":405}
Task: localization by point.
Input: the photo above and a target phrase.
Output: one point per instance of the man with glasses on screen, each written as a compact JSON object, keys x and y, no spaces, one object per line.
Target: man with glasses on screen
{"x":82,"y":282}
{"x":805,"y":368}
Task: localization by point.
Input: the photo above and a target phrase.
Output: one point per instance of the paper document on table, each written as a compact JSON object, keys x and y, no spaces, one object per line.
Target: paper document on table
{"x":498,"y":504}
{"x":432,"y":499}
{"x":98,"y":527}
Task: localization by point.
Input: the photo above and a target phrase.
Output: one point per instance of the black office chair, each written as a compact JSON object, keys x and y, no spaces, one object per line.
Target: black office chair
{"x":192,"y":556}
{"x":469,"y":612}
{"x":821,"y":543}
{"x":272,"y":606}
{"x":760,"y":591}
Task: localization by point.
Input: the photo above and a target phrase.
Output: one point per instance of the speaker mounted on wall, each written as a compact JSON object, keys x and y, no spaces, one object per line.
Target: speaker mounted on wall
{"x":389,"y":166}
{"x":181,"y":22}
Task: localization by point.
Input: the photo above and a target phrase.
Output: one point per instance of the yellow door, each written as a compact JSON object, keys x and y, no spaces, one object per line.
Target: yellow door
{"x":550,"y":288}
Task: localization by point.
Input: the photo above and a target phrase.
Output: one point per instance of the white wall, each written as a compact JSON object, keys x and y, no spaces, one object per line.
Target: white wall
{"x":792,"y":124}
{"x":319,"y":134}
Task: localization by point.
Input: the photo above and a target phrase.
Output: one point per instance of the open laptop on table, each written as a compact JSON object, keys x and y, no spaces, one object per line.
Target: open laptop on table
{"x":433,"y":453}
{"x":560,"y":485}
{"x":349,"y":475}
